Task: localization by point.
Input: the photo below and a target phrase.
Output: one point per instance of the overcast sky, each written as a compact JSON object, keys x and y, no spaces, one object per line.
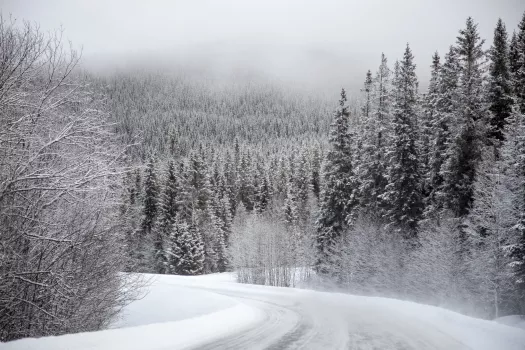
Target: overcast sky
{"x":325,"y":43}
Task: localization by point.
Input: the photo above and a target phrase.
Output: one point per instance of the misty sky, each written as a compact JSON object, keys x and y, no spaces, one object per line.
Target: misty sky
{"x":324,"y":44}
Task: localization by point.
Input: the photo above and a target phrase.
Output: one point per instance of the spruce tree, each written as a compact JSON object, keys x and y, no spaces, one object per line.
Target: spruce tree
{"x":367,"y":91}
{"x":245,"y":182}
{"x":316,"y":172}
{"x":339,"y":193}
{"x":371,"y":165}
{"x":464,"y":151}
{"x":168,"y":210}
{"x":186,"y":251}
{"x":291,"y":210}
{"x":403,"y":192}
{"x":519,"y":75}
{"x":444,"y":117}
{"x":302,"y":186}
{"x":262,"y":189}
{"x":429,"y":126}
{"x":230,"y":175}
{"x":151,"y":192}
{"x":514,"y":56}
{"x":500,"y":85}
{"x":513,"y":155}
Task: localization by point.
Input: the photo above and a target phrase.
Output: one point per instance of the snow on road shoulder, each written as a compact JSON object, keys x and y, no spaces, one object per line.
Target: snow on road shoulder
{"x":191,"y":332}
{"x":168,"y":299}
{"x":513,"y":321}
{"x":172,"y":315}
{"x":475,"y":333}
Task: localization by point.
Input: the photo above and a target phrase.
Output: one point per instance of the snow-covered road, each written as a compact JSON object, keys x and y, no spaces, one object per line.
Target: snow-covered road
{"x":213,"y":312}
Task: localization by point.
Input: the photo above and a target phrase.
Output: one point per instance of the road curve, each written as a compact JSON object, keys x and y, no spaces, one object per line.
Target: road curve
{"x":301,"y":319}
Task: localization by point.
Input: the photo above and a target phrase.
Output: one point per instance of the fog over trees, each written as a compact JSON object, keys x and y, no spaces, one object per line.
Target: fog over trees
{"x":396,"y":191}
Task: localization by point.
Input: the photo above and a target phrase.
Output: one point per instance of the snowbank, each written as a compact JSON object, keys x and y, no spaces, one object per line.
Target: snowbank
{"x":513,"y":321}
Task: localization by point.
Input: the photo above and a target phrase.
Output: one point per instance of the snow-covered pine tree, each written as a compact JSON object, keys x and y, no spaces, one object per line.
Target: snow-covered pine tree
{"x":151,"y":193}
{"x":519,"y":70}
{"x":514,"y":56}
{"x":443,"y":127}
{"x":199,"y":181}
{"x":223,"y":262}
{"x":263,"y":191}
{"x":169,"y":203}
{"x":302,"y":186}
{"x":339,"y":192}
{"x":214,"y":236}
{"x":464,"y":152}
{"x":429,"y":127}
{"x":403,"y":192}
{"x":245,"y":182}
{"x":513,"y":155}
{"x":316,"y":172}
{"x":146,"y":246}
{"x":500,"y":84}
{"x":291,"y":210}
{"x":230,"y":175}
{"x":371,"y":165}
{"x":367,"y":91}
{"x":186,"y":250}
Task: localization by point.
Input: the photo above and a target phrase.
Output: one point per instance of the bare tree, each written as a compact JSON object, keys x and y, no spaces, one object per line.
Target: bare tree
{"x":60,"y":249}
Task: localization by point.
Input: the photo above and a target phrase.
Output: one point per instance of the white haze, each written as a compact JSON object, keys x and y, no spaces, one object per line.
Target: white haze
{"x":319,"y":44}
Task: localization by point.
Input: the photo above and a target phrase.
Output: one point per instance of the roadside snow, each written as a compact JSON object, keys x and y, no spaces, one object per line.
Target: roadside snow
{"x":514,"y":321}
{"x":165,"y":302}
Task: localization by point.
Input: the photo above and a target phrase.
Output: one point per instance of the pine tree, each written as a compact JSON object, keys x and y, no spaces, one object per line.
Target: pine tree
{"x":513,"y":156}
{"x":514,"y":56}
{"x":245,"y":182}
{"x":316,"y":172}
{"x":263,"y":191}
{"x":403,"y":192}
{"x":230,"y":175}
{"x":291,"y":210}
{"x":339,"y":193}
{"x":519,"y":75}
{"x":225,"y":221}
{"x":186,"y":251}
{"x":199,"y":181}
{"x":500,"y":85}
{"x":367,"y":90}
{"x":444,"y":125}
{"x":150,"y":199}
{"x":430,"y":126}
{"x":169,"y":203}
{"x":302,"y":187}
{"x":464,"y":152}
{"x":371,"y":167}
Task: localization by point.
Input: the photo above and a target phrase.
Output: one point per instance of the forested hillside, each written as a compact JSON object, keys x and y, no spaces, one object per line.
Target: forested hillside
{"x":413,"y":194}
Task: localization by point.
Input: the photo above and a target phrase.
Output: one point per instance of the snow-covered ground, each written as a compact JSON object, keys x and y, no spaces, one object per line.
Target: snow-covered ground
{"x":514,"y":321}
{"x":214,"y":312}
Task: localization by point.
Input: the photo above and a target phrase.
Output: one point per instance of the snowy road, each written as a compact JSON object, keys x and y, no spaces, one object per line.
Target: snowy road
{"x":213,"y":312}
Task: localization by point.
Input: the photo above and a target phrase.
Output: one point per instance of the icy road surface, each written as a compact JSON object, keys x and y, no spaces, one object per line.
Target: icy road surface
{"x":214,"y":312}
